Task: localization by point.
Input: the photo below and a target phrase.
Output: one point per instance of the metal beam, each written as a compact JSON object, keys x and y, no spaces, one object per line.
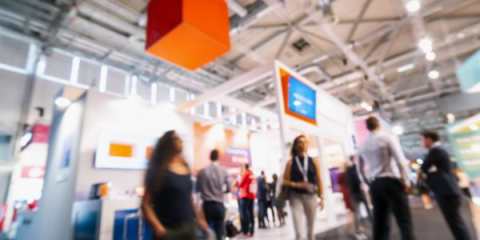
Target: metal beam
{"x":230,"y":86}
{"x":237,"y":8}
{"x":359,"y":18}
{"x":284,"y":44}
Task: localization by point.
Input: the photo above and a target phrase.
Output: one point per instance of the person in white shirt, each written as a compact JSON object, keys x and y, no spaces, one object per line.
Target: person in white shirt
{"x":383,"y":166}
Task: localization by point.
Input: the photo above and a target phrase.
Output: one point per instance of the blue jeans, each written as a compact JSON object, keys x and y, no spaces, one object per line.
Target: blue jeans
{"x":248,"y":222}
{"x":262,"y":212}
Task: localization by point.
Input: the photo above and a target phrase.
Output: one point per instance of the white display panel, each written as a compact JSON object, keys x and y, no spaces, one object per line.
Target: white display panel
{"x":120,"y":150}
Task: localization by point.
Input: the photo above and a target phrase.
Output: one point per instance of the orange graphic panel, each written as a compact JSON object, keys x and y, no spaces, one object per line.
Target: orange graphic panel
{"x":120,"y":150}
{"x":149,"y":152}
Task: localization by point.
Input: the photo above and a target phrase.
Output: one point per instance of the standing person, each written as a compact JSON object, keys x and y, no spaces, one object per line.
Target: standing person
{"x":442,"y":182}
{"x":269,"y":204}
{"x":424,"y":190}
{"x":212,"y":184}
{"x":278,"y":204}
{"x":463,"y":182}
{"x":247,"y":195}
{"x":387,"y":171}
{"x":262,"y":192}
{"x":356,"y":194}
{"x":302,"y":176}
{"x":168,"y":202}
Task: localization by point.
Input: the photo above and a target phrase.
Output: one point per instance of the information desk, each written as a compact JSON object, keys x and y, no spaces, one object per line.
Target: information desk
{"x":118,"y":219}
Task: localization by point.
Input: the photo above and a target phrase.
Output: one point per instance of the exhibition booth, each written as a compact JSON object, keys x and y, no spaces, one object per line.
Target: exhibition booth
{"x":99,"y":147}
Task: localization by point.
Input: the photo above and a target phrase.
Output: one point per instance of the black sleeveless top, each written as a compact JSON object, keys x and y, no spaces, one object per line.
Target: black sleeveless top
{"x":297,"y":176}
{"x":173,"y":203}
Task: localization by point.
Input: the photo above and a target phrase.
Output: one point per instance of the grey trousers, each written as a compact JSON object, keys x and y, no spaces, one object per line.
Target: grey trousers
{"x":303,"y":206}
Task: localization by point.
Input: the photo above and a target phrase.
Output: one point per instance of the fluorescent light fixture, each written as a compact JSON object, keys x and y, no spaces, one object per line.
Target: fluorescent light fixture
{"x":244,"y":119}
{"x":154,"y":92}
{"x":62,"y":102}
{"x":74,"y":71}
{"x":133,"y":90}
{"x":219,"y":110}
{"x":397,"y":129}
{"x":103,"y":79}
{"x":366,"y":106}
{"x":192,"y":109}
{"x":206,"y":109}
{"x":413,"y":6}
{"x":172,"y":94}
{"x":297,"y":103}
{"x":405,"y":68}
{"x":253,"y":123}
{"x":450,"y":117}
{"x":474,"y":127}
{"x":426,"y":45}
{"x":25,"y":139}
{"x":430,"y":56}
{"x":434,"y":74}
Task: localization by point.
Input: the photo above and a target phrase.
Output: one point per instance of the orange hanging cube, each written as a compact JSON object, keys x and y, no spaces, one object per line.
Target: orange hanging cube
{"x":188,"y":33}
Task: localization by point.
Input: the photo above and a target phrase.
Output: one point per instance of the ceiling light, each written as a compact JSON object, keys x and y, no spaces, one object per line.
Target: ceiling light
{"x":474,"y":127}
{"x":397,"y":129}
{"x":426,"y":45}
{"x":461,"y":35}
{"x":433,"y":74}
{"x":450,"y":117}
{"x":405,"y":68}
{"x":413,"y":6}
{"x":62,"y":102}
{"x":430,"y":56}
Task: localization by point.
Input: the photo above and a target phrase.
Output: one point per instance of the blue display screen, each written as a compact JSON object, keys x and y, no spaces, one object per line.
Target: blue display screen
{"x":302,"y":99}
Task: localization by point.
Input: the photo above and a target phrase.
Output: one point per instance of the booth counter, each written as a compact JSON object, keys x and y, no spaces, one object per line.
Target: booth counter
{"x":108,"y":219}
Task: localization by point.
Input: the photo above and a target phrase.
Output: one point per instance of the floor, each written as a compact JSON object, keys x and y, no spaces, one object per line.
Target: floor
{"x":429,"y":224}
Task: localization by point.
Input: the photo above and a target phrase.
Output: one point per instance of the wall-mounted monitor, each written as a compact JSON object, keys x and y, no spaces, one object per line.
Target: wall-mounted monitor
{"x":302,"y":99}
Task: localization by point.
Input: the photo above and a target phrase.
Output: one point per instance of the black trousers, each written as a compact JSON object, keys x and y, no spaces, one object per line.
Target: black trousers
{"x":262,"y":211}
{"x":450,"y":206}
{"x":388,"y":196}
{"x":248,"y":218}
{"x":215,"y":215}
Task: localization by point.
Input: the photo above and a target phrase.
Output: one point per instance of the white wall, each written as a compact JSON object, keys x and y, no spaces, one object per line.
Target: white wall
{"x":113,"y":113}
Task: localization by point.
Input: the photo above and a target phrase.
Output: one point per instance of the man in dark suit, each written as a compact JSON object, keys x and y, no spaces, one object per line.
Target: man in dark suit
{"x":442,"y":182}
{"x":262,"y":189}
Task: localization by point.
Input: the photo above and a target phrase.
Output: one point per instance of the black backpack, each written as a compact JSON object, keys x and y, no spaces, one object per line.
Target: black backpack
{"x":232,"y":231}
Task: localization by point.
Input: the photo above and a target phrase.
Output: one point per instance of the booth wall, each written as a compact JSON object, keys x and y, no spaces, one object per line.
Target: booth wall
{"x":233,"y":146}
{"x":105,"y":112}
{"x":267,"y":152}
{"x":53,"y":219}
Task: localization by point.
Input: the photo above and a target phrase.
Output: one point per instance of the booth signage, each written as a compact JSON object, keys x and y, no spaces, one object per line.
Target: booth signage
{"x":300,"y":100}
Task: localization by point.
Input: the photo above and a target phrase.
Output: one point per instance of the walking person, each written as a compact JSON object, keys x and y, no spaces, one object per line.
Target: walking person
{"x":247,"y":196}
{"x":388,"y":174}
{"x":357,"y":196}
{"x":269,"y":204}
{"x":262,"y":191}
{"x":212,"y":184}
{"x":302,"y":176}
{"x":168,"y":201}
{"x":279,"y":205}
{"x":442,"y":182}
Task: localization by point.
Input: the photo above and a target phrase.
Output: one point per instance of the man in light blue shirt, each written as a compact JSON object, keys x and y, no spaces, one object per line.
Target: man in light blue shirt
{"x":383,"y":165}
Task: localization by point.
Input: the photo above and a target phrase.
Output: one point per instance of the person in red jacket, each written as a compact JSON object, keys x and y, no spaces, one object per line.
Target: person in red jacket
{"x":247,"y":195}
